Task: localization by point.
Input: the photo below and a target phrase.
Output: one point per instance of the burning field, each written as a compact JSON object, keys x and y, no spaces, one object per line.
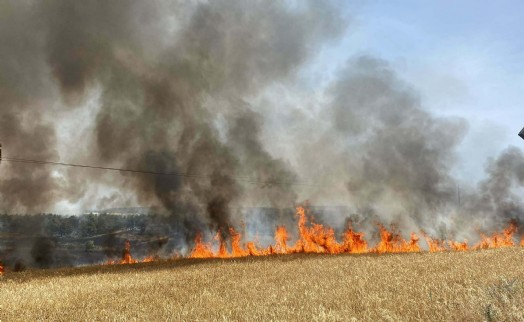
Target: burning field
{"x":311,"y":276}
{"x":197,"y":109}
{"x":150,"y":153}
{"x":319,"y":239}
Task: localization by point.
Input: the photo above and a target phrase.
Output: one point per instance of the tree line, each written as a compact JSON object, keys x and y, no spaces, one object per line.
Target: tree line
{"x":74,"y":226}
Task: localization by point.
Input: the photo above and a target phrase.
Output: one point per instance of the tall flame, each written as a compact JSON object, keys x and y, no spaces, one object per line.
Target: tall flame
{"x":316,"y":238}
{"x":201,"y":249}
{"x":497,"y":240}
{"x":127,"y":258}
{"x":126,"y":254}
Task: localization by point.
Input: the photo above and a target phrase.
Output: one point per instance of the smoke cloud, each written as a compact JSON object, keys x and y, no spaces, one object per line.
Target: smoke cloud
{"x":165,"y":74}
{"x":176,"y":89}
{"x":400,"y":155}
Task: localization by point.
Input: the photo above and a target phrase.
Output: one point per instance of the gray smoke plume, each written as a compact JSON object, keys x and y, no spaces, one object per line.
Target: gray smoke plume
{"x":496,"y":201}
{"x":164,"y":73}
{"x":25,"y":94}
{"x":401,"y":155}
{"x":175,"y":87}
{"x":396,"y":159}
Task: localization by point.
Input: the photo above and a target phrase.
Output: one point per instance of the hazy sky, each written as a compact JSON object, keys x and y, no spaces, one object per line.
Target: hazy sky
{"x":464,"y":58}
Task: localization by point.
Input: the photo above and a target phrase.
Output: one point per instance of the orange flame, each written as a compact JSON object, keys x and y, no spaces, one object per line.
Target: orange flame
{"x":354,"y":243}
{"x":126,"y":255}
{"x":458,"y":246}
{"x":237,"y":250}
{"x":127,"y":258}
{"x":281,"y":238}
{"x":394,"y":243}
{"x":497,"y":240}
{"x":316,"y":238}
{"x":201,"y":249}
{"x":435,"y":245}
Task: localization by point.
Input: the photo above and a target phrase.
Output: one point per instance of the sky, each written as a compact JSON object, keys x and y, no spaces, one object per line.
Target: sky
{"x":463,"y":58}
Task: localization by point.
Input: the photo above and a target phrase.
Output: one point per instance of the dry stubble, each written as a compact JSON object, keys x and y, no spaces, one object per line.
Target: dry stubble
{"x":479,"y":285}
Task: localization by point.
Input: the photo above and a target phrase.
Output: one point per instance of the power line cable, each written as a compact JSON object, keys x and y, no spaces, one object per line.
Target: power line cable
{"x":176,"y":174}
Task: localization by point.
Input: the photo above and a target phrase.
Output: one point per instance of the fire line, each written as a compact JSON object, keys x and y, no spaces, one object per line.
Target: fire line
{"x":319,"y":239}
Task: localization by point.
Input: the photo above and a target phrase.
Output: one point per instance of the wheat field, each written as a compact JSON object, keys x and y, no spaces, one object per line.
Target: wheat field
{"x":486,"y":285}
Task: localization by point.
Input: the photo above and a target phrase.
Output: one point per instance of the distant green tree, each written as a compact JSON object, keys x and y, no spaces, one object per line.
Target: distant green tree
{"x":70,"y":225}
{"x":52,"y":225}
{"x":89,"y":225}
{"x":89,"y":246}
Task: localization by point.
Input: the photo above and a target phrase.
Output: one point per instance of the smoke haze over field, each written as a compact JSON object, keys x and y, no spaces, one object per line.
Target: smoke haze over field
{"x":191,"y":87}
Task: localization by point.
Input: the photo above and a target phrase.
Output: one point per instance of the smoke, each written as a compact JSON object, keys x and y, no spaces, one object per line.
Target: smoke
{"x":43,"y":251}
{"x":23,"y":97}
{"x":177,"y":88}
{"x":496,"y":200}
{"x":400,"y":155}
{"x":165,"y":72}
{"x":395,"y":158}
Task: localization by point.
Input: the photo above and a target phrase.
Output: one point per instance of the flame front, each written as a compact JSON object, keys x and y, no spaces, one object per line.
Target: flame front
{"x":316,"y":238}
{"x":497,"y":240}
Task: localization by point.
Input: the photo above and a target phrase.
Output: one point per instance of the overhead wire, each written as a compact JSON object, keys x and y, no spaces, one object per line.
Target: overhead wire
{"x":176,"y":174}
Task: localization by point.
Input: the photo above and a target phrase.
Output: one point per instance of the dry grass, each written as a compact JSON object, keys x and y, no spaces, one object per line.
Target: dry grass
{"x":474,"y":286}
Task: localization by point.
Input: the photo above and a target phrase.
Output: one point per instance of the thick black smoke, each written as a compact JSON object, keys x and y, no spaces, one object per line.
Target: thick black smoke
{"x":25,"y":94}
{"x":175,"y":87}
{"x":164,"y":74}
{"x":43,"y":251}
